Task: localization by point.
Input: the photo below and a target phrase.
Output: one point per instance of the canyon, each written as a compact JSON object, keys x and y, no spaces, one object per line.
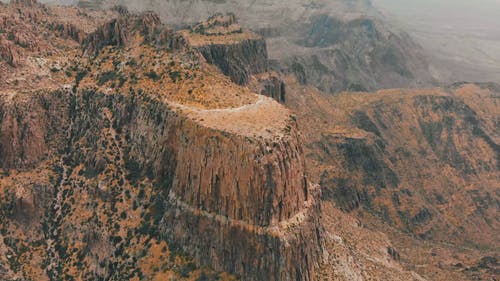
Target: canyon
{"x":135,"y":150}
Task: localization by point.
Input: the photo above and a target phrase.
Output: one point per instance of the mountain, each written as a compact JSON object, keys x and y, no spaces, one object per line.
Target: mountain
{"x":118,"y":146}
{"x":421,"y":166}
{"x":461,"y":37}
{"x":333,"y":45}
{"x":209,"y":146}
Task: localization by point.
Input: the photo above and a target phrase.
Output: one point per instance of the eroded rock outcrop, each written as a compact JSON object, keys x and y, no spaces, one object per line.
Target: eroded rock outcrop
{"x":30,"y":128}
{"x":69,"y":30}
{"x":239,"y":60}
{"x":236,"y":52}
{"x":8,"y":52}
{"x":119,"y":32}
{"x":270,"y":84}
{"x":414,"y":160}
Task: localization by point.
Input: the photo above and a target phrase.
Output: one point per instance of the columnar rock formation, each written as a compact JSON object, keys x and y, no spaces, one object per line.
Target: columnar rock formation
{"x":8,"y":52}
{"x":236,"y":203}
{"x":239,"y":60}
{"x":116,"y":33}
{"x":238,"y":53}
{"x":234,"y":195}
{"x":29,"y":128}
{"x":270,"y":84}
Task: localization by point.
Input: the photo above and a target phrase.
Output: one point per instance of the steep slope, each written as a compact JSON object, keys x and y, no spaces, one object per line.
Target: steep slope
{"x":129,"y":141}
{"x":418,"y":165}
{"x":357,"y":55}
{"x":238,"y":53}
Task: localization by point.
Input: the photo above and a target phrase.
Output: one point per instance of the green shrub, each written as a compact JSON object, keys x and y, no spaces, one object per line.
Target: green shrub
{"x":105,"y":77}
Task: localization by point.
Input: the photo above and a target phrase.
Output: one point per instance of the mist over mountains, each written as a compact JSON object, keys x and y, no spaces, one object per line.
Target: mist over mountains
{"x":462,"y":36}
{"x":459,"y":39}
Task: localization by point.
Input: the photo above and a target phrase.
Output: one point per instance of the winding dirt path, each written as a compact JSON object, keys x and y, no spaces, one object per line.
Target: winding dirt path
{"x":260,"y":100}
{"x":263,"y":118}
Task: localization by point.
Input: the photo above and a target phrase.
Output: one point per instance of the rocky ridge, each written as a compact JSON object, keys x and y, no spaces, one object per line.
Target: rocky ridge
{"x":238,"y":53}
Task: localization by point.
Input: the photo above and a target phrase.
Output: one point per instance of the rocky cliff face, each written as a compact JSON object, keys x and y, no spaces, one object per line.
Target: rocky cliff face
{"x":270,"y":84}
{"x":257,"y":219}
{"x":238,"y":53}
{"x":238,"y":61}
{"x":26,"y":130}
{"x":116,"y":33}
{"x":8,"y":52}
{"x":126,"y":169}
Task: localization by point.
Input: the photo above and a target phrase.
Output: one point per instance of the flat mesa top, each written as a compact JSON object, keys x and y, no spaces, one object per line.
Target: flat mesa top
{"x":264,"y":118}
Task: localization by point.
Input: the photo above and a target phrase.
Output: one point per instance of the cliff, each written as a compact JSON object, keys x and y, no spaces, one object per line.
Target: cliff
{"x":136,"y":150}
{"x":26,"y":128}
{"x":116,"y":33}
{"x":8,"y":52}
{"x":341,"y":45}
{"x":257,"y":219}
{"x":236,"y":52}
{"x":269,"y":84}
{"x":238,"y":61}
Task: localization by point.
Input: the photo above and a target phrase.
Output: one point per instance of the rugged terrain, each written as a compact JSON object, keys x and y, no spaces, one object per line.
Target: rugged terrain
{"x":461,"y":37}
{"x":421,"y":166}
{"x":118,"y":145}
{"x":239,"y":53}
{"x":130,"y":151}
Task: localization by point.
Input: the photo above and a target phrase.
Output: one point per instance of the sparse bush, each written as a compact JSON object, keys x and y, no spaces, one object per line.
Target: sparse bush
{"x":175,"y":75}
{"x":105,"y":77}
{"x":152,"y":75}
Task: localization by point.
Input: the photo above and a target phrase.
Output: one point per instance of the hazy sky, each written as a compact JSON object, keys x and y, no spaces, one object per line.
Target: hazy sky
{"x":471,"y":16}
{"x":464,"y":32}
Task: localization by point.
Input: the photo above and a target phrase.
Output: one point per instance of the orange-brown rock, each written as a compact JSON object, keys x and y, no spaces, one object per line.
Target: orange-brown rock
{"x":237,"y":203}
{"x":238,"y":53}
{"x":269,"y":84}
{"x":120,"y":32}
{"x":69,"y":30}
{"x":221,"y":171}
{"x":8,"y":52}
{"x":30,"y":128}
{"x":418,"y":165}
